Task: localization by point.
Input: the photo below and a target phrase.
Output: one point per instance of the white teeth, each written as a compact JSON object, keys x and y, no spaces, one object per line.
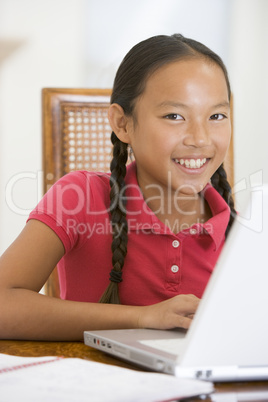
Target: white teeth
{"x":191,"y":163}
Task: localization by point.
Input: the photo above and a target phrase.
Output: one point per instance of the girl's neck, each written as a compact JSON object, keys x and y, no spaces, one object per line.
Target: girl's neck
{"x":180,"y":212}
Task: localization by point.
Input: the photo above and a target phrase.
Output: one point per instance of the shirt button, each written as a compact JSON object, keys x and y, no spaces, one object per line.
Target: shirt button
{"x":193,"y":231}
{"x":175,"y":243}
{"x":174,"y":268}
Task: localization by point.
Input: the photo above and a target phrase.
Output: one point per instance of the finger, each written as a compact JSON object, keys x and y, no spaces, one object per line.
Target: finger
{"x":191,"y":316}
{"x":193,"y":297}
{"x":188,"y":307}
{"x":183,"y":322}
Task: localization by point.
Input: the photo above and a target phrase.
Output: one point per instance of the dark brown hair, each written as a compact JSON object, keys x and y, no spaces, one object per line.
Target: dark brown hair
{"x":139,"y":63}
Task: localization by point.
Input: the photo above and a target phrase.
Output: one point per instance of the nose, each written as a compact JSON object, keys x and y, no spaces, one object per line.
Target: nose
{"x":197,"y":135}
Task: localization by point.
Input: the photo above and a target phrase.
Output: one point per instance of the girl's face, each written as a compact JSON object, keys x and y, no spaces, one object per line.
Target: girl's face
{"x":182,"y":126}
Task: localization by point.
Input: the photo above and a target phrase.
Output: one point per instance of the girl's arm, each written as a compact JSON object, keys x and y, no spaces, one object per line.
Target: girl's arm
{"x":27,"y":314}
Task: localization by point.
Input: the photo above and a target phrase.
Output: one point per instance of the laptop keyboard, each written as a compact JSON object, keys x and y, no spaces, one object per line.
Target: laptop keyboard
{"x":174,"y":346}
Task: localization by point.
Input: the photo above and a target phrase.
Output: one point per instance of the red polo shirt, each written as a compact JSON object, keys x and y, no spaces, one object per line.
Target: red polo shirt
{"x":159,"y":264}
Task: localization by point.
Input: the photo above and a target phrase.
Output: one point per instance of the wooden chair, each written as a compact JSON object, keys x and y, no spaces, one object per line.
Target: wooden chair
{"x":229,"y":159}
{"x":76,"y":135}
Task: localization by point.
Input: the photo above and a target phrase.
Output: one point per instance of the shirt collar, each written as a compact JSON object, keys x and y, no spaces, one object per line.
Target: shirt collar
{"x":141,"y":217}
{"x":137,"y":209}
{"x":217,"y":224}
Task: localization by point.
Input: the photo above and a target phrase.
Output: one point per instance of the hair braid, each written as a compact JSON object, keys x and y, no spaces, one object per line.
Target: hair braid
{"x":118,"y":219}
{"x":221,"y":184}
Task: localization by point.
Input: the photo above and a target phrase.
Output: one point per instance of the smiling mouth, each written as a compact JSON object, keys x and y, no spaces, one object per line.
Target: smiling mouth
{"x":191,"y":163}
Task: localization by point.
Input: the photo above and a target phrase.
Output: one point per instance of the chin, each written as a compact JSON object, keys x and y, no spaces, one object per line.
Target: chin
{"x":190,"y":189}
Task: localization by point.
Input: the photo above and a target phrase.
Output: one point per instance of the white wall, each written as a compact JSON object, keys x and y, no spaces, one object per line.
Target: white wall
{"x":112,"y":33}
{"x":249,"y":74}
{"x":50,"y":52}
{"x":80,"y":43}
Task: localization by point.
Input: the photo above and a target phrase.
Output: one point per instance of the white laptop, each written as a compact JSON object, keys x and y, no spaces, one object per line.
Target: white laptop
{"x":228,"y":339}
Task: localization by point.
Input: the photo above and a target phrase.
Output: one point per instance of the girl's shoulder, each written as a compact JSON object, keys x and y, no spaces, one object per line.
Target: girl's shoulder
{"x":84,"y":180}
{"x":85,"y":177}
{"x":91,"y":181}
{"x":80,"y":176}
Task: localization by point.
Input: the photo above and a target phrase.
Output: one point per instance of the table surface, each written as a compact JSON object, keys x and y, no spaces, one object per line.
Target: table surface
{"x":78,"y":349}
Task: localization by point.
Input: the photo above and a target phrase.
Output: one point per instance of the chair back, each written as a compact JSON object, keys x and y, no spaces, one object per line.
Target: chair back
{"x":76,"y":132}
{"x":76,"y":136}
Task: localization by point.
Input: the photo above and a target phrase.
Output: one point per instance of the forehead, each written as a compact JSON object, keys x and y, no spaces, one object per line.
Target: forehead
{"x":186,"y":78}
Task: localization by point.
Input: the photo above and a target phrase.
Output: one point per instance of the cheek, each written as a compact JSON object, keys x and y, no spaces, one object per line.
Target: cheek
{"x":223,"y":140}
{"x":226,"y":143}
{"x":151,"y":140}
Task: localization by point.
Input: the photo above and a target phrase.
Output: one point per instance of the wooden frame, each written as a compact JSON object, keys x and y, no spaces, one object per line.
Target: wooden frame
{"x":229,"y":159}
{"x":53,"y":102}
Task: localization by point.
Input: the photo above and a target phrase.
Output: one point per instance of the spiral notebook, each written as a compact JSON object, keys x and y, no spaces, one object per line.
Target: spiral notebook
{"x":57,"y":379}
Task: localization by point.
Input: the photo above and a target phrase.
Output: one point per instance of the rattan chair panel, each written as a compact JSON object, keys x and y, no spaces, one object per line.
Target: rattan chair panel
{"x":86,"y":132}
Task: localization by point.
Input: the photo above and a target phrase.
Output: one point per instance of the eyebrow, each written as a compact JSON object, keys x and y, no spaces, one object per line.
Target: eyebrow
{"x":182,"y":105}
{"x":171,"y":103}
{"x":222,"y":104}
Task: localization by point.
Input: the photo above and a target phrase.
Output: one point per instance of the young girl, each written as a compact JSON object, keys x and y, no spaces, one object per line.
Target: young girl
{"x":136,"y":248}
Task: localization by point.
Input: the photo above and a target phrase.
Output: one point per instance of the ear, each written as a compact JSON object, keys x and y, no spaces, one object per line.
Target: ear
{"x":119,"y":122}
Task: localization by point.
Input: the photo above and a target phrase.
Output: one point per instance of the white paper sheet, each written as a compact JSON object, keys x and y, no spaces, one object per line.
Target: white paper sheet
{"x":77,"y":380}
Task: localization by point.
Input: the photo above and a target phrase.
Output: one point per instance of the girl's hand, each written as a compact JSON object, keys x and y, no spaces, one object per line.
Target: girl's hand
{"x":176,"y":312}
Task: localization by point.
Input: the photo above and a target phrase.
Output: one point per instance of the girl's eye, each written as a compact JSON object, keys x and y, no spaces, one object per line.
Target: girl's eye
{"x":217,"y":116}
{"x":174,"y":116}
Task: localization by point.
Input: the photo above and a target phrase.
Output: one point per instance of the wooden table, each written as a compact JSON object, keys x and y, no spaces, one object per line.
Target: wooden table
{"x":78,"y":349}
